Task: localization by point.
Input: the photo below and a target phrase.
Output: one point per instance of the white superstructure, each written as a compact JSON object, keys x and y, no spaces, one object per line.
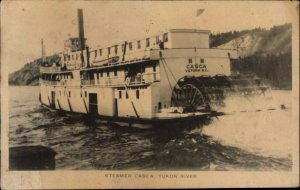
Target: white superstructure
{"x":132,"y":78}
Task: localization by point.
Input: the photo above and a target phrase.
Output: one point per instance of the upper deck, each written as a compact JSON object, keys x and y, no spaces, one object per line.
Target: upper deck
{"x":173,"y":43}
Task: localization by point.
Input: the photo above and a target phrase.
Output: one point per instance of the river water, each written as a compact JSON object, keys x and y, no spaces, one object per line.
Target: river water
{"x":250,"y":138}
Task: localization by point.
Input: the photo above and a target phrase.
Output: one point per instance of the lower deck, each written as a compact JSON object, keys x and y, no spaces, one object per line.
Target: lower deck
{"x":140,"y":101}
{"x":128,"y":106}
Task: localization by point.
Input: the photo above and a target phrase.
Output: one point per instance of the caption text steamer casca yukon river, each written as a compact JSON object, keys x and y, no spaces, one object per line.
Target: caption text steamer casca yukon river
{"x":172,"y":77}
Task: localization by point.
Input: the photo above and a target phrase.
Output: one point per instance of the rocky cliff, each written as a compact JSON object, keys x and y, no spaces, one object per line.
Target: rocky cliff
{"x":29,"y":74}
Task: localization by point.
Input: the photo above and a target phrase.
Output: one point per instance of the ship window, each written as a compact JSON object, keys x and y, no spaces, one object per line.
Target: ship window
{"x":116,"y":49}
{"x":97,"y":75}
{"x":107,"y":73}
{"x":100,"y":52}
{"x":137,"y":92}
{"x":139,"y":44}
{"x":115,"y":72}
{"x":95,"y":53}
{"x":201,"y":60}
{"x":147,"y":42}
{"x":108,"y":50}
{"x":101,"y":74}
{"x":190,"y":60}
{"x":130,"y":46}
{"x":165,"y":37}
{"x":85,"y":93}
{"x":154,"y":68}
{"x":157,"y":39}
{"x":120,"y":94}
{"x":126,"y":95}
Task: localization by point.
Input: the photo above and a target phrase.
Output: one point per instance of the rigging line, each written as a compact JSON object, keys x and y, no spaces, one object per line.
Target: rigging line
{"x":47,"y":95}
{"x":135,"y":111}
{"x":58,"y":104}
{"x":169,"y":69}
{"x":169,"y":81}
{"x":68,"y":100}
{"x":85,"y":106}
{"x":163,"y":59}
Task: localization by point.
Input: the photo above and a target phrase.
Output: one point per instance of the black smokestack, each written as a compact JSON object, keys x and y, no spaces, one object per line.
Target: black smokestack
{"x":81,"y":29}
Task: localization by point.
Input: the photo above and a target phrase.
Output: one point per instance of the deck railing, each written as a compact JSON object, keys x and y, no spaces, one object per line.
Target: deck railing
{"x":48,"y":82}
{"x":120,"y":81}
{"x":50,"y":69}
{"x":117,"y":59}
{"x":87,"y":82}
{"x":62,"y":82}
{"x":108,"y":81}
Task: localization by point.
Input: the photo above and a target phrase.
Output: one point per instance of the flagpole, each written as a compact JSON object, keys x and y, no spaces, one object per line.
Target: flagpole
{"x":198,"y":13}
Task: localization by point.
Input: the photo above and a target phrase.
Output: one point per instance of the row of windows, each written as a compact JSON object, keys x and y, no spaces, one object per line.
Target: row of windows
{"x":130,"y":47}
{"x":60,"y":76}
{"x":65,"y":76}
{"x":137,"y":94}
{"x":191,"y":60}
{"x":107,"y":74}
{"x":101,"y":74}
{"x":71,"y":57}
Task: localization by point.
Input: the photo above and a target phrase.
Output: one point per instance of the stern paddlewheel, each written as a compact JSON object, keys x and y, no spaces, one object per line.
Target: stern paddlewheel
{"x":206,"y":93}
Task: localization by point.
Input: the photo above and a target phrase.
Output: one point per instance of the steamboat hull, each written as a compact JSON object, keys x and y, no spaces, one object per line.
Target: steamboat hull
{"x":176,"y":121}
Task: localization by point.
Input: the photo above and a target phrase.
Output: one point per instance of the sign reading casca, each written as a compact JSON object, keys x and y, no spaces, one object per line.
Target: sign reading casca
{"x":196,"y":67}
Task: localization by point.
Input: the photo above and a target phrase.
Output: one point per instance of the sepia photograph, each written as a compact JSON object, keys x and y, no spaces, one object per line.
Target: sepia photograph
{"x":149,"y":94}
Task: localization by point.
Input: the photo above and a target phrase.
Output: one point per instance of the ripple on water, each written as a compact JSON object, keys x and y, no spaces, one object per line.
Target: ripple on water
{"x":215,"y":145}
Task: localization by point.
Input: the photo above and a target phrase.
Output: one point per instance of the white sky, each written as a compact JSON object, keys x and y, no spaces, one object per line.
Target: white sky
{"x":23,"y":24}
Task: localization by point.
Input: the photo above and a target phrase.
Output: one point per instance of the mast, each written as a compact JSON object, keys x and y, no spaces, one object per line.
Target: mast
{"x":43,"y":50}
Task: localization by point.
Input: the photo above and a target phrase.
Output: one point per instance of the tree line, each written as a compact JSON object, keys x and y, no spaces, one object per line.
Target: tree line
{"x":276,"y":70}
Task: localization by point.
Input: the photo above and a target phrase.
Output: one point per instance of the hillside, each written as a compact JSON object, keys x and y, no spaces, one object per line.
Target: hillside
{"x":277,"y":40}
{"x":266,"y":53}
{"x":29,"y":74}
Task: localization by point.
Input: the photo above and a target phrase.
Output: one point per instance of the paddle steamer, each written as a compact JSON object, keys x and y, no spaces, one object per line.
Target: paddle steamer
{"x":170,"y":77}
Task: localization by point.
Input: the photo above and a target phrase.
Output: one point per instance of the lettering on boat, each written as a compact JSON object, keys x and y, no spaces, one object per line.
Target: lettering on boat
{"x":196,"y":67}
